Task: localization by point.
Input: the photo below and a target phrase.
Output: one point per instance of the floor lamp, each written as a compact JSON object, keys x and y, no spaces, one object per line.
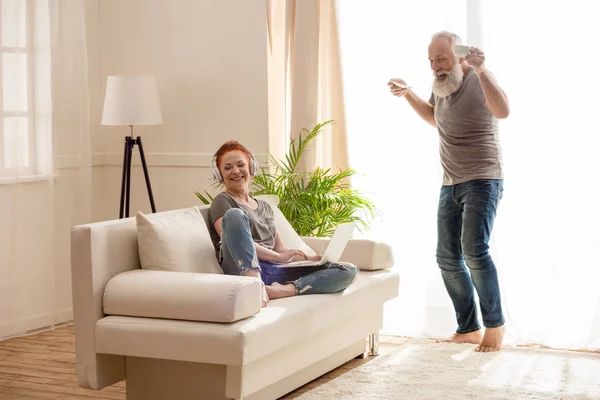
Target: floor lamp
{"x":131,"y":100}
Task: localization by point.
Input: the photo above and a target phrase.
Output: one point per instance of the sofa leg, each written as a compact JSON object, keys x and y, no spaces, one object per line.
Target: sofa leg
{"x":374,"y":344}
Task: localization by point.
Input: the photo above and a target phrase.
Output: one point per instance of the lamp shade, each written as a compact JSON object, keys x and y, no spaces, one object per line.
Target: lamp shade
{"x":131,"y":100}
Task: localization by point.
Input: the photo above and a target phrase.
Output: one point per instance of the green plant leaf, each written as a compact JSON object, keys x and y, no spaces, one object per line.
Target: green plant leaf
{"x":313,"y":202}
{"x":204,"y":199}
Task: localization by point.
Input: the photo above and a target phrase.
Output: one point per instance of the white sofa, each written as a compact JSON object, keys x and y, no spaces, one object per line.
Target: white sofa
{"x":198,"y":335}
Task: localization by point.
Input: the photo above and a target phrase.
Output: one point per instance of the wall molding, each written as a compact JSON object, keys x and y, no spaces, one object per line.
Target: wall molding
{"x":162,"y":159}
{"x":152,"y":159}
{"x":194,"y":160}
{"x":68,"y":162}
{"x":98,"y":159}
{"x":74,"y":161}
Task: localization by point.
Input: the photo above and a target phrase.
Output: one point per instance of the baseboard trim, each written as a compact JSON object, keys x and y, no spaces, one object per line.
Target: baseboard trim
{"x":35,"y":324}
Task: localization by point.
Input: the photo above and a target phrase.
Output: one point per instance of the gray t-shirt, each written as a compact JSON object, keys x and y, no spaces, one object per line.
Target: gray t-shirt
{"x":469,"y":142}
{"x":262,"y":221}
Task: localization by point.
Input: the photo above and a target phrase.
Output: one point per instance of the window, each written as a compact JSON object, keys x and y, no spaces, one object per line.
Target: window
{"x":24,"y":88}
{"x":546,"y":236}
{"x":16,"y":127}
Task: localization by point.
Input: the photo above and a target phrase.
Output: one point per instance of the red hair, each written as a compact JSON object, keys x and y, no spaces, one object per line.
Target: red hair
{"x":231,"y":145}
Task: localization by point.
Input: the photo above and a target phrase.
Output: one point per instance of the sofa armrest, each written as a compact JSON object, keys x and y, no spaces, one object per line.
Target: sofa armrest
{"x":367,"y":255}
{"x":182,"y":295}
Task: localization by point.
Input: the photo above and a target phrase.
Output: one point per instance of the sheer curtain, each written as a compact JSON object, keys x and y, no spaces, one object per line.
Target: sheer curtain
{"x":305,"y":84}
{"x":394,"y":150}
{"x":44,"y":159}
{"x":547,"y":230}
{"x":27,"y":241}
{"x":548,"y":233}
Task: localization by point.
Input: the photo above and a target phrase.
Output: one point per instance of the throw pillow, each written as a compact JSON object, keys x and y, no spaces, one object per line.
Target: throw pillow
{"x":176,"y":241}
{"x":289,"y":236}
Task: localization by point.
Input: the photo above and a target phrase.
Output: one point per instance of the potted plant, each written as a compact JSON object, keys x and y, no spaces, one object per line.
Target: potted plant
{"x":313,"y":202}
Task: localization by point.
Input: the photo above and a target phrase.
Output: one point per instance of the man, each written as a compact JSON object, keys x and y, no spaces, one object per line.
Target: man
{"x":465,"y":106}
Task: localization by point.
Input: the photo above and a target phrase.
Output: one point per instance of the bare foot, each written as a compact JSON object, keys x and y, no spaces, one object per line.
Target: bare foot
{"x":264,"y":298}
{"x":277,"y":290}
{"x":471,"y":337}
{"x":492,"y":340}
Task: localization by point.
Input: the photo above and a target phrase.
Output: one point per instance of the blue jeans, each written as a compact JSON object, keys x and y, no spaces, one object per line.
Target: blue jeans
{"x":238,"y":255}
{"x":466,"y":214}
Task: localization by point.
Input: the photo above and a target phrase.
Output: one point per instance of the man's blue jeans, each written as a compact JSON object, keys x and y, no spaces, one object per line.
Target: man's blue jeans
{"x":238,"y":255}
{"x":466,"y":214}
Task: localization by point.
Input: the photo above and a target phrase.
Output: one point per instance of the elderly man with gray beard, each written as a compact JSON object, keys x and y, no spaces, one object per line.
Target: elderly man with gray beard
{"x":465,"y":106}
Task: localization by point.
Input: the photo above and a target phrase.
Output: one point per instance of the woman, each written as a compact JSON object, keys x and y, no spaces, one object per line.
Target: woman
{"x":246,"y":240}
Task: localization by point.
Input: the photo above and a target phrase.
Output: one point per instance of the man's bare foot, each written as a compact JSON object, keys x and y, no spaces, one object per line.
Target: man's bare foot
{"x":471,"y":337}
{"x":277,"y":290}
{"x":492,"y":340}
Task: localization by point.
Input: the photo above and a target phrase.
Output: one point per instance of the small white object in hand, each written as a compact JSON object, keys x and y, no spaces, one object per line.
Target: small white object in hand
{"x":400,"y":85}
{"x":462,"y":51}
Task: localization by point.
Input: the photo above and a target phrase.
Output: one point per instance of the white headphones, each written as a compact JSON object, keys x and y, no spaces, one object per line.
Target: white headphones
{"x":217,"y":174}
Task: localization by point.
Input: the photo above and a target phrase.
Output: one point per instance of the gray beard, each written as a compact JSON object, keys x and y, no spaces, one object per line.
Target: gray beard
{"x":449,"y":85}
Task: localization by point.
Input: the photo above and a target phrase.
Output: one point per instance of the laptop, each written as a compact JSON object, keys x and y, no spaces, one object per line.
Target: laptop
{"x":334,"y":250}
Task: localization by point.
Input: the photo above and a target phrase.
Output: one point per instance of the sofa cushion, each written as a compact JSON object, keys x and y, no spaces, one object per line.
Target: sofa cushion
{"x":282,"y":322}
{"x":181,"y":295}
{"x":366,"y":254}
{"x":289,"y":236}
{"x":178,"y":242}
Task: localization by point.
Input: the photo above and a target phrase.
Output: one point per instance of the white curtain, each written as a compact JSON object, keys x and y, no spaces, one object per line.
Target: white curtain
{"x":305,"y":83}
{"x":45,"y":159}
{"x":546,"y":231}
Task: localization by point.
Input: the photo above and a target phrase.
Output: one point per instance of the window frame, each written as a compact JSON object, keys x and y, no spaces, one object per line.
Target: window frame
{"x":29,"y":113}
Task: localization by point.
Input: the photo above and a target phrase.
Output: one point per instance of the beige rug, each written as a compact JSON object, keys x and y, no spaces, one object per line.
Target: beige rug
{"x":423,"y":369}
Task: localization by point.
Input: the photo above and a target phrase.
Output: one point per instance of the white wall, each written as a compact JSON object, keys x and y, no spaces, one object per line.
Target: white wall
{"x":36,"y":217}
{"x":210,"y":63}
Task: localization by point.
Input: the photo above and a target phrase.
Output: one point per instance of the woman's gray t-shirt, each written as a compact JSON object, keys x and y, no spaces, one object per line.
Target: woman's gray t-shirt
{"x":468,"y":132}
{"x":262,"y":220}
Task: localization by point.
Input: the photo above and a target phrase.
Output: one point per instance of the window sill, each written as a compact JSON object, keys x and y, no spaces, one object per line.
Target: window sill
{"x":26,"y":179}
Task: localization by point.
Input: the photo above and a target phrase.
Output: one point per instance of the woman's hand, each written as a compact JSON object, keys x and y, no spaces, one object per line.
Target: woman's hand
{"x":290,"y":255}
{"x":316,"y":257}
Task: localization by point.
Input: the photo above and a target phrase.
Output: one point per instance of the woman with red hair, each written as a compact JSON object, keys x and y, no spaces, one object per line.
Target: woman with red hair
{"x":247,"y":242}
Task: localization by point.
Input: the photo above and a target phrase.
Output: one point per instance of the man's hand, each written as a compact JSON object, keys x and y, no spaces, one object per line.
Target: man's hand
{"x":290,"y":255}
{"x":495,"y":98}
{"x":476,"y":59}
{"x":422,"y":107}
{"x":398,"y":91}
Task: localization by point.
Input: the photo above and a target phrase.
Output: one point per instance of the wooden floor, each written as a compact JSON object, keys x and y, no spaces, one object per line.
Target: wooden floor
{"x":42,"y":366}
